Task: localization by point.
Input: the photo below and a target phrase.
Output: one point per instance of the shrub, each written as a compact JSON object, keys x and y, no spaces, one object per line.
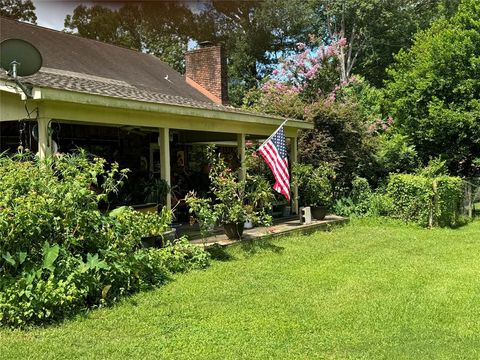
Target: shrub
{"x":449,"y":197}
{"x":314,"y":183}
{"x":363,"y":201}
{"x":59,"y":254}
{"x":424,"y":200}
{"x":395,"y":155}
{"x":340,"y":138}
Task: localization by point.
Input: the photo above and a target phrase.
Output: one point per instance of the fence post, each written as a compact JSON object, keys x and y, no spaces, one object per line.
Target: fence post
{"x":470,"y":200}
{"x":433,"y":206}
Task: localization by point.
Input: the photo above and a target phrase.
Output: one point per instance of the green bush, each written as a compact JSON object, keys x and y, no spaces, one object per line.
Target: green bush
{"x":363,"y":201}
{"x":424,"y":200}
{"x":59,"y":254}
{"x":412,"y":196}
{"x":396,"y":155}
{"x":314,"y":183}
{"x":450,"y":196}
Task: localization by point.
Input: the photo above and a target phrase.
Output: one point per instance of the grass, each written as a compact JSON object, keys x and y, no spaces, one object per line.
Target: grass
{"x":370,"y":290}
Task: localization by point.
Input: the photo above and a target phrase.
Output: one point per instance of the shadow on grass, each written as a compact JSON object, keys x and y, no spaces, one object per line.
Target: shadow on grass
{"x":246,"y":247}
{"x":219,"y":253}
{"x":252,"y":247}
{"x":463,"y":221}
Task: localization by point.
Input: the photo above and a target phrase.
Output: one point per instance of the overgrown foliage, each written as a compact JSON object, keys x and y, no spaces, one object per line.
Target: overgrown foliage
{"x":340,"y":138}
{"x":434,"y":91}
{"x":60,"y":254}
{"x":427,"y":199}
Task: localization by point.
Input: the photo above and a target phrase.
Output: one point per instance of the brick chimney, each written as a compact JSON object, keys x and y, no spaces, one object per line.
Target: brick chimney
{"x":206,"y":70}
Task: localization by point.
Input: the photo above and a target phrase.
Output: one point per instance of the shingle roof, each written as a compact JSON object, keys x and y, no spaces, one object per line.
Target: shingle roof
{"x":73,"y":53}
{"x":59,"y":79}
{"x":83,"y":65}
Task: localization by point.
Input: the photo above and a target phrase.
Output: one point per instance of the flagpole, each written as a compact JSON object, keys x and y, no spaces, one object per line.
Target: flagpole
{"x":275,"y":132}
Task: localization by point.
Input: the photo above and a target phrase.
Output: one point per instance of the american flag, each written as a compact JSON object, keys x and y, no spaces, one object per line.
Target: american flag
{"x":274,"y":152}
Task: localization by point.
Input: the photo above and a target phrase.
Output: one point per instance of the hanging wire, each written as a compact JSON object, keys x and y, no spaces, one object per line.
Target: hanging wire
{"x":28,"y":138}
{"x":22,"y":126}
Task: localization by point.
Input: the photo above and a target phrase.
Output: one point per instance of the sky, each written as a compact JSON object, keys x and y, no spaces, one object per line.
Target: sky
{"x":51,"y":13}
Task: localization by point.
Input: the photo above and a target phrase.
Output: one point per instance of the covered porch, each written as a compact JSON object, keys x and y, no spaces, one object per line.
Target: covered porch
{"x":166,"y":134}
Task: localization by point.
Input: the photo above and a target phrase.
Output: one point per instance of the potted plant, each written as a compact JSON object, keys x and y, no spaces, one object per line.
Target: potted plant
{"x":233,"y":201}
{"x":314,"y":186}
{"x":155,"y":191}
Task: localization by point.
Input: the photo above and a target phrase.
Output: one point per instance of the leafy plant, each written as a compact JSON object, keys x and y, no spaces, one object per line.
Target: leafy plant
{"x":234,"y":201}
{"x":433,"y":90}
{"x":156,"y":191}
{"x":314,"y":183}
{"x":59,"y":254}
{"x":424,"y":200}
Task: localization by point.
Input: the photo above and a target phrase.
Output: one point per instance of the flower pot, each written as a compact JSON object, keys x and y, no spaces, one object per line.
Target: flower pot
{"x":146,"y":208}
{"x":158,"y":241}
{"x":319,"y":212}
{"x":248,"y":224}
{"x":233,"y":231}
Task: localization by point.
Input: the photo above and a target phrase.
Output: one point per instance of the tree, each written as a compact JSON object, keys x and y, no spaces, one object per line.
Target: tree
{"x":307,"y":86}
{"x":375,"y":30}
{"x":434,"y":91}
{"x":255,"y":34}
{"x":22,"y":10}
{"x":159,"y":28}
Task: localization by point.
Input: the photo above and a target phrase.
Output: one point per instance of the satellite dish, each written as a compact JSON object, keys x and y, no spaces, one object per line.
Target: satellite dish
{"x":19,"y":58}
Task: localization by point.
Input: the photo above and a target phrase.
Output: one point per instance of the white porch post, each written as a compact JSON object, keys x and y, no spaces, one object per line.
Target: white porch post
{"x":164,"y":144}
{"x":294,"y":159}
{"x":44,"y":138}
{"x":241,"y":155}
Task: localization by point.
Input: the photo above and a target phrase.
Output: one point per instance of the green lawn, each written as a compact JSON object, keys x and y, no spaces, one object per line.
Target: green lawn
{"x":368,"y":290}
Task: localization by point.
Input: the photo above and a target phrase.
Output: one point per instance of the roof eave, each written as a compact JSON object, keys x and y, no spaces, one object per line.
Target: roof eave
{"x":51,"y":94}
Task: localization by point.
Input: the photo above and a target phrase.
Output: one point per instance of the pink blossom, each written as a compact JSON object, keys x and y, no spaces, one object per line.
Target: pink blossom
{"x":328,"y":51}
{"x":310,"y":74}
{"x":275,"y":72}
{"x":342,"y":42}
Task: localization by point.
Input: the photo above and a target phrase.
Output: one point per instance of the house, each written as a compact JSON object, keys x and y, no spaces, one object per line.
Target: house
{"x":127,"y":105}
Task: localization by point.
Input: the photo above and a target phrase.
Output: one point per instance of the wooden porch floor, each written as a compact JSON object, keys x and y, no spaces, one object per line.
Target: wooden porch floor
{"x":285,"y":226}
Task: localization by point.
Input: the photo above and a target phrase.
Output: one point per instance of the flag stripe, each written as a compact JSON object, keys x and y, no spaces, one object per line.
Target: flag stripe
{"x":272,"y":166}
{"x":279,"y":165}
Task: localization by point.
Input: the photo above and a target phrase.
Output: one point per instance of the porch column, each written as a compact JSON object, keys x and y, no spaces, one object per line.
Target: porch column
{"x":44,"y":138}
{"x":294,"y":159}
{"x":164,"y":144}
{"x":241,"y":155}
